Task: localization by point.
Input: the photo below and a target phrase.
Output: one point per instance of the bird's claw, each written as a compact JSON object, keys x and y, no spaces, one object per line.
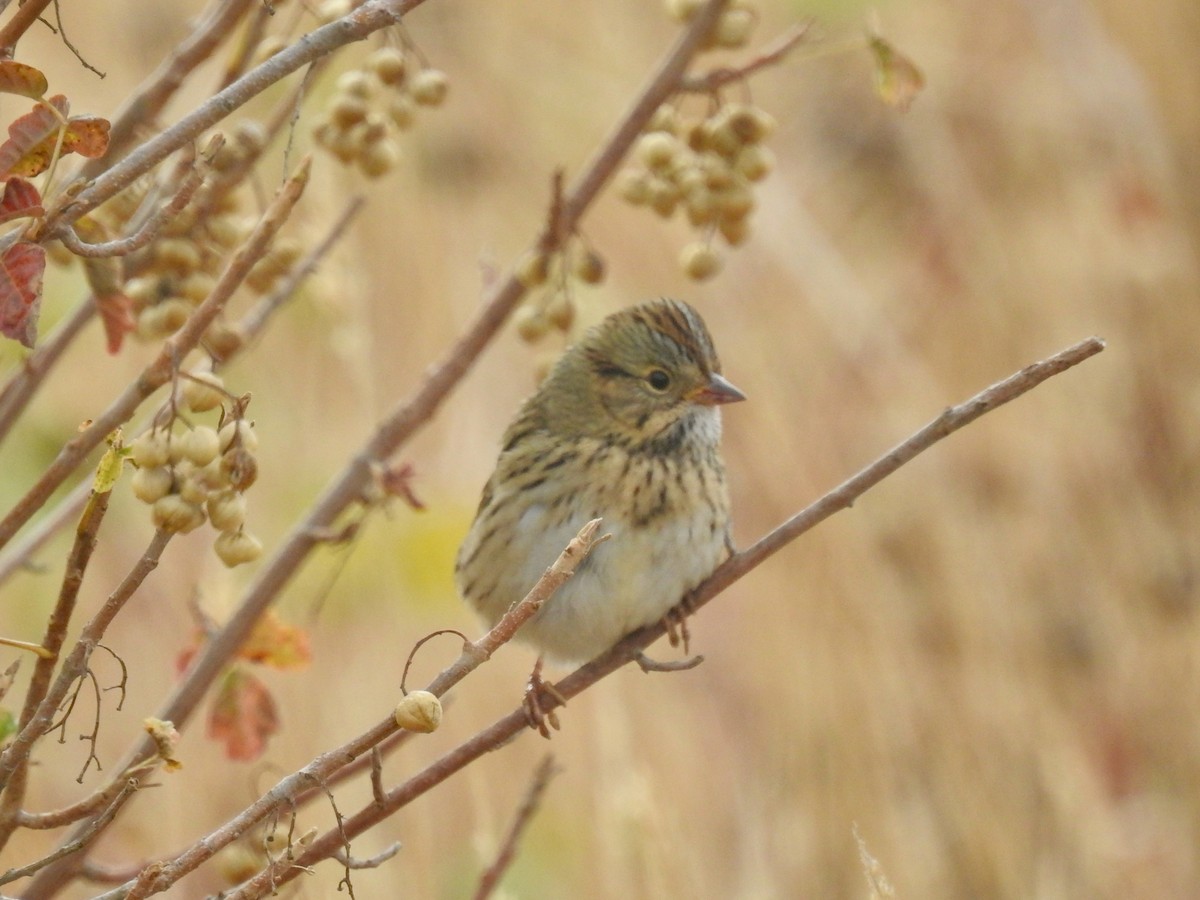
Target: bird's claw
{"x":540,"y":699}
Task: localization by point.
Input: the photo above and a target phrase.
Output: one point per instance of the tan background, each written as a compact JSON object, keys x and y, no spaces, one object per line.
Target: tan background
{"x":989,"y":666}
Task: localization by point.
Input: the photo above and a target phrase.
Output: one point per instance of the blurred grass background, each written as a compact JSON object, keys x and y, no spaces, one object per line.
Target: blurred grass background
{"x":990,"y":666}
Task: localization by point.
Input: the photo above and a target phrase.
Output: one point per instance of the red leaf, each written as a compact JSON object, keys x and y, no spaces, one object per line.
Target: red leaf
{"x":18,"y":78}
{"x":21,"y":270}
{"x":274,"y":642}
{"x":31,"y":139}
{"x":20,"y":199}
{"x":87,"y":136}
{"x":116,"y":312}
{"x":243,"y":716}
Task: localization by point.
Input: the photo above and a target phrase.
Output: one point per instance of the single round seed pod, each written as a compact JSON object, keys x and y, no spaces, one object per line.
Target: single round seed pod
{"x":734,"y":28}
{"x":734,"y":231}
{"x":589,"y":267}
{"x":191,"y":488}
{"x":178,"y":254}
{"x":531,"y":325}
{"x":429,"y":87}
{"x":226,"y":510}
{"x":736,"y":201}
{"x":196,"y":287}
{"x":666,"y":119}
{"x":664,"y":197}
{"x":402,"y":111}
{"x":149,"y":449}
{"x":202,"y":391}
{"x":222,"y":340}
{"x":633,"y":187}
{"x":151,"y":485}
{"x":238,"y":433}
{"x":357,"y":83}
{"x":657,"y":150}
{"x":347,"y":110}
{"x":250,"y":134}
{"x":532,"y":268}
{"x":379,"y":158}
{"x":237,"y":547}
{"x":240,"y":467}
{"x":560,"y":312}
{"x":173,"y":513}
{"x":699,"y":261}
{"x":388,"y":64}
{"x":419,"y":711}
{"x":683,"y":10}
{"x":200,"y":445}
{"x":755,"y":162}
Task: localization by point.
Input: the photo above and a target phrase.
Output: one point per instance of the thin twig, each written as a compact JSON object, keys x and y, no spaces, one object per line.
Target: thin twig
{"x":734,"y":568}
{"x":95,"y":826}
{"x":149,"y":229}
{"x":371,"y":862}
{"x":714,"y":80}
{"x":508,"y":850}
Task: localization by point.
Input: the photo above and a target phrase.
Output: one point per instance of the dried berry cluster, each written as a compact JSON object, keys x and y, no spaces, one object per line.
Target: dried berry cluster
{"x":554,"y":308}
{"x":190,"y":472}
{"x":707,"y":168}
{"x":372,"y":104}
{"x":177,"y":271}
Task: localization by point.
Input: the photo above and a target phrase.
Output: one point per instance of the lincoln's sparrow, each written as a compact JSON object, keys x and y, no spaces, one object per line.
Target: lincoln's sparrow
{"x":624,"y":428}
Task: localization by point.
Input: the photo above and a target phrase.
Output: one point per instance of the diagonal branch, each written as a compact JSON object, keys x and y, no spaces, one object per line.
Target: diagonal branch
{"x":841,"y":497}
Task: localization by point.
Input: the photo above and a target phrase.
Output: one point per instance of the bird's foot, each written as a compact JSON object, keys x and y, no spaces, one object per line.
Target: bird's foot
{"x":540,"y":699}
{"x":676,"y":623}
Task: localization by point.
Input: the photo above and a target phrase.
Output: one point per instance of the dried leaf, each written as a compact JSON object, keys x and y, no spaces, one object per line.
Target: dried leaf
{"x":275,"y":643}
{"x":897,"y":78}
{"x":18,"y":78}
{"x":32,"y":138}
{"x":21,"y":199}
{"x":21,"y":270}
{"x":87,"y":136}
{"x":108,"y":470}
{"x":106,"y":277}
{"x":243,"y":716}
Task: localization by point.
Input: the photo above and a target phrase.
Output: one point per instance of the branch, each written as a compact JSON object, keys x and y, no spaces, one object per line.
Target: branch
{"x":627,"y":650}
{"x":508,"y":850}
{"x":27,"y":13}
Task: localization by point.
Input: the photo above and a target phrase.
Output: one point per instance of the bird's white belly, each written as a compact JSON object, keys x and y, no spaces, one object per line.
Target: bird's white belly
{"x":629,"y":581}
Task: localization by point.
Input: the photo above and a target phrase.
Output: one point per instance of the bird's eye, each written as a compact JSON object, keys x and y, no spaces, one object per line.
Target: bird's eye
{"x":658,"y":379}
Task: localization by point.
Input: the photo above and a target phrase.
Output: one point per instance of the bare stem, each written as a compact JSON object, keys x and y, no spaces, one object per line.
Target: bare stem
{"x":508,"y":850}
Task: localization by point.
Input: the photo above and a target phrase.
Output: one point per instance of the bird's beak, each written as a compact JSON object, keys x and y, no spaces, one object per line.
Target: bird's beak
{"x":717,"y":391}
